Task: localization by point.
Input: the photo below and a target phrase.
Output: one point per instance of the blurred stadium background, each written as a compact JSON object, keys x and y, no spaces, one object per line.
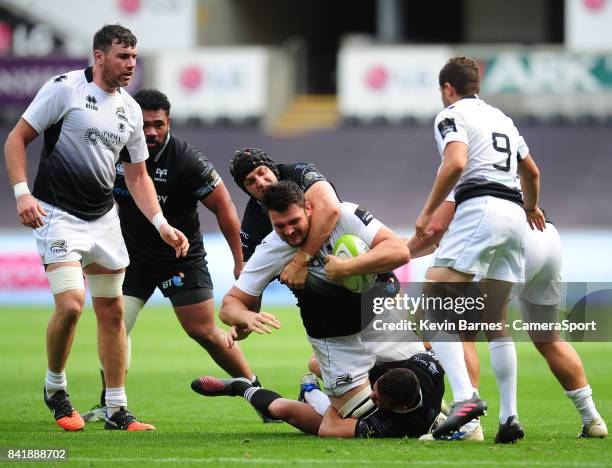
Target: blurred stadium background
{"x":350,"y":86}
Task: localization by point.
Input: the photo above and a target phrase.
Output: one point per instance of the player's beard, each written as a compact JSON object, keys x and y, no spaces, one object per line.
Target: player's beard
{"x":153,"y":150}
{"x":299,"y":241}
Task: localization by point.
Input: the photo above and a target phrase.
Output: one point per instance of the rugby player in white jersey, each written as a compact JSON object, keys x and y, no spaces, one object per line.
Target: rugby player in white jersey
{"x":540,"y":300}
{"x":330,"y":313}
{"x":482,"y":152}
{"x":89,"y":123}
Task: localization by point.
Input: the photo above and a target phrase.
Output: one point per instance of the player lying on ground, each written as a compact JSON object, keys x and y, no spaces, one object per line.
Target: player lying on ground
{"x":406,"y":401}
{"x":539,"y":299}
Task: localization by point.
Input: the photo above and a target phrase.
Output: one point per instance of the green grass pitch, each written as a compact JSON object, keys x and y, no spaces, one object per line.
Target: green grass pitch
{"x":227,"y":432}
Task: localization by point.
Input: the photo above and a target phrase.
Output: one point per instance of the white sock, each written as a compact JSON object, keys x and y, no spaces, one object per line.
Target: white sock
{"x":55,"y":382}
{"x":253,"y":379}
{"x":115,"y":399}
{"x":583,"y":401}
{"x":475,"y":390}
{"x":503,"y":363}
{"x":450,"y":355}
{"x":318,"y":400}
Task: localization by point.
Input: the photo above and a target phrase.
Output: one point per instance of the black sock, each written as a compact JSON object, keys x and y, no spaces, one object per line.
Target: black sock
{"x":103,"y":397}
{"x":239,"y":387}
{"x":261,"y":398}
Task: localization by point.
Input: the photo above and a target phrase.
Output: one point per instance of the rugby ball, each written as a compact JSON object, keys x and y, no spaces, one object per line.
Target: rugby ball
{"x":350,"y":246}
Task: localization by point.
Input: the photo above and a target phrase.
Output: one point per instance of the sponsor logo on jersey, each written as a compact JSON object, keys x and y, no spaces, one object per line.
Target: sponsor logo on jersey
{"x":120,"y":113}
{"x":447,"y":126}
{"x":344,"y":378}
{"x":160,"y":175}
{"x":364,"y":215}
{"x":176,"y":281}
{"x":60,"y":78}
{"x":94,"y":136}
{"x":122,"y":192}
{"x":162,"y":198}
{"x":91,"y":102}
{"x":59,"y":246}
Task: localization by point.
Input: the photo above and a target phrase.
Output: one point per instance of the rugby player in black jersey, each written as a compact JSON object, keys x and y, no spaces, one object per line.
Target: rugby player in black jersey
{"x":406,"y":400}
{"x":183,"y":177}
{"x":254,"y":171}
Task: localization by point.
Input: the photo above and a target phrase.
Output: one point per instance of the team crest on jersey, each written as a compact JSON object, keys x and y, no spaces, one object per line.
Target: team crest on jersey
{"x":160,"y":175}
{"x":121,"y":127}
{"x":364,"y":215}
{"x":119,"y":169}
{"x":60,"y":78}
{"x":91,"y":102}
{"x":120,"y":113}
{"x":447,"y":126}
{"x":59,"y":246}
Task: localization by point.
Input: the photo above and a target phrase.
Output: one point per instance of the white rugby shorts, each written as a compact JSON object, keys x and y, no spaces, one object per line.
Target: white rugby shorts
{"x":66,"y":238}
{"x":344,"y":361}
{"x":543,"y":259}
{"x":486,"y":239}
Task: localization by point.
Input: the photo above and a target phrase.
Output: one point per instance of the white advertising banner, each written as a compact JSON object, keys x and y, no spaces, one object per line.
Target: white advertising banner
{"x":214,"y":83}
{"x":390,"y":81}
{"x":588,"y":25}
{"x":158,"y":24}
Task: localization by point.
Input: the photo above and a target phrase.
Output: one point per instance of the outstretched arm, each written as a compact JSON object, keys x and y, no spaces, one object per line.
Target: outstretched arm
{"x":438,"y":225}
{"x":453,"y":163}
{"x":143,"y":191}
{"x":235,"y":312}
{"x":220,"y":204}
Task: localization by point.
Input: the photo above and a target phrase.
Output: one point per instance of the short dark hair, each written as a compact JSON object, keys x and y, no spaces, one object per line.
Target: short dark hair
{"x":463,"y":74}
{"x":281,"y":195}
{"x":152,"y":100}
{"x":400,"y":386}
{"x":113,"y":33}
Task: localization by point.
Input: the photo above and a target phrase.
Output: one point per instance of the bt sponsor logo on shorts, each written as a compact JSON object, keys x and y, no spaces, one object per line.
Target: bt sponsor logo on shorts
{"x":176,"y":281}
{"x":59,"y":246}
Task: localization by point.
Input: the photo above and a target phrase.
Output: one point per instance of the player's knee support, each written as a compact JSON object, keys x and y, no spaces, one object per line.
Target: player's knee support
{"x":359,"y":405}
{"x":66,"y":278}
{"x":106,"y":285}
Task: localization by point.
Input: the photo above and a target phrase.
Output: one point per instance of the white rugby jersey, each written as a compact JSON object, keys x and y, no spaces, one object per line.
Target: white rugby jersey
{"x":271,"y":256}
{"x":86,"y":131}
{"x":494,"y":148}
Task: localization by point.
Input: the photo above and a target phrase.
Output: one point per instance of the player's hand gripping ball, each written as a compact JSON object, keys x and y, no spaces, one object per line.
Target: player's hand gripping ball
{"x":350,"y":246}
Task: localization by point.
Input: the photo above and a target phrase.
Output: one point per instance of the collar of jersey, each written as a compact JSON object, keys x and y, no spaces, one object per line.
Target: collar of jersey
{"x":415,"y":407}
{"x":163,"y":148}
